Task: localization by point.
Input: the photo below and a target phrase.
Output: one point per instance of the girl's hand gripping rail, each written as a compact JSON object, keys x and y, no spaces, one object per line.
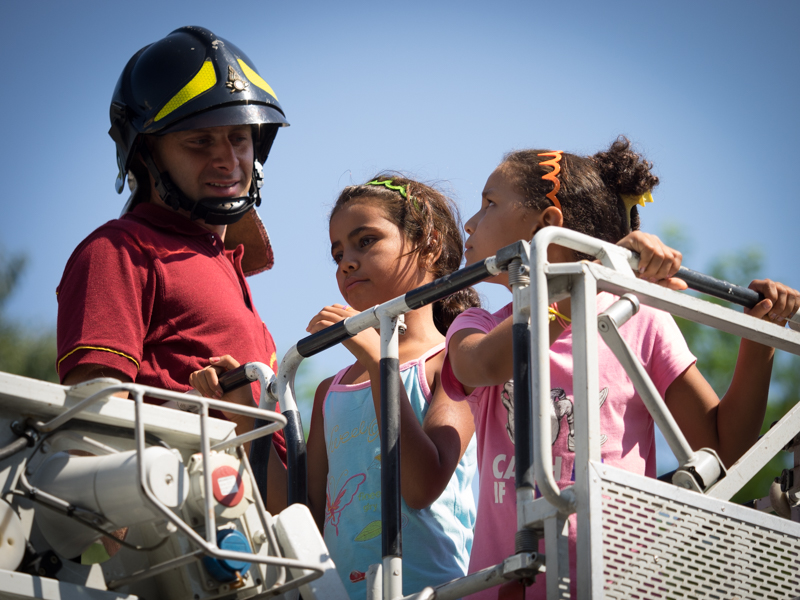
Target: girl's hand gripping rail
{"x":723,"y":290}
{"x":718,"y":288}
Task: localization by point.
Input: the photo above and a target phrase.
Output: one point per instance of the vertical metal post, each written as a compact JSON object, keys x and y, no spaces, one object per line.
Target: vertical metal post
{"x":519,"y":279}
{"x":563,"y":500}
{"x":585,"y":389}
{"x":526,"y":540}
{"x":391,"y":537}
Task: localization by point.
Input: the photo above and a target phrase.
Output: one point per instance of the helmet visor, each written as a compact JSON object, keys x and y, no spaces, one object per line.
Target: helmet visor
{"x":232,"y":114}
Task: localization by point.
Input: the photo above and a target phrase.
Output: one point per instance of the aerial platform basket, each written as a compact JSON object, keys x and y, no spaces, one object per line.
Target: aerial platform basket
{"x":661,"y":541}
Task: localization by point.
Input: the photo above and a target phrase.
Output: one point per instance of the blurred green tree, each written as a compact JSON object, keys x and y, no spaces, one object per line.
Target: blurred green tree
{"x":23,"y":350}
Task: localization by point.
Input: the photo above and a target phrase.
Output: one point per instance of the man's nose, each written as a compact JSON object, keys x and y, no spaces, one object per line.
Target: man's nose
{"x":225,"y":155}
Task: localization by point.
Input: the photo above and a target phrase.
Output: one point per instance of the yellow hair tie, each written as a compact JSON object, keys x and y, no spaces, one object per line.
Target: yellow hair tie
{"x":554,"y":314}
{"x":631,"y":200}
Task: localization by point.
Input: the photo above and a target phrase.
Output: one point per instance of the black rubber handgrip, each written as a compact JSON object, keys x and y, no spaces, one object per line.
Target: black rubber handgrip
{"x":719,"y":289}
{"x":234,"y":379}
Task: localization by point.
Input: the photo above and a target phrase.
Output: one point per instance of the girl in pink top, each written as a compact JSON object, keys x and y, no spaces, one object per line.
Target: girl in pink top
{"x":594,"y":195}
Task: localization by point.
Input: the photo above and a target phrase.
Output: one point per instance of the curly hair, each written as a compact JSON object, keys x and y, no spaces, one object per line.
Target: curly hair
{"x":591,"y":187}
{"x":430,"y":221}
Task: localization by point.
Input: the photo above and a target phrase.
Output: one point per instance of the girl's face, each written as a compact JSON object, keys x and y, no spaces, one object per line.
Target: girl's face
{"x":371,"y":255}
{"x":502,"y":220}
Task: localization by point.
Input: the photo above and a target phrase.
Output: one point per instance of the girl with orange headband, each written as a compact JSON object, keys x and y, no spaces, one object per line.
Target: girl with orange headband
{"x":597,"y":196}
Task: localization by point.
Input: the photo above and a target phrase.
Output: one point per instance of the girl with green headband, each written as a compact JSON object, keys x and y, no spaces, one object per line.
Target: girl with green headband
{"x":389,"y":236}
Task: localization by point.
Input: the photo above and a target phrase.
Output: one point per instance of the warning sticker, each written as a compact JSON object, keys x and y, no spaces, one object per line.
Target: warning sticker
{"x":227,"y":485}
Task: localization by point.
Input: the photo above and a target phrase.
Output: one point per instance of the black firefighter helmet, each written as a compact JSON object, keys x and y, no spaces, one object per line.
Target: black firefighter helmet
{"x":192,"y":79}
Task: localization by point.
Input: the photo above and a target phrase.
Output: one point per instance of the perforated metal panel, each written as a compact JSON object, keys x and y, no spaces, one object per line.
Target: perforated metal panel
{"x":657,"y":547}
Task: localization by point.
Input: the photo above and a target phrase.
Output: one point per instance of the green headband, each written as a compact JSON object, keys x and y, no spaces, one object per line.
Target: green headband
{"x":387,"y":183}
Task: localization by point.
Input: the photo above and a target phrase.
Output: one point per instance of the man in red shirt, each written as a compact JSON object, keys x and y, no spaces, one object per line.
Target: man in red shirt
{"x":149,"y":297}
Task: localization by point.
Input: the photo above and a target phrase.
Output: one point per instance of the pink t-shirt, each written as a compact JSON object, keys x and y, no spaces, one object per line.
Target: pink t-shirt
{"x":626,"y":427}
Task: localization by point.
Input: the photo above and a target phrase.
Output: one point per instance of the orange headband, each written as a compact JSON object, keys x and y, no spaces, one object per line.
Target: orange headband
{"x":553,"y":175}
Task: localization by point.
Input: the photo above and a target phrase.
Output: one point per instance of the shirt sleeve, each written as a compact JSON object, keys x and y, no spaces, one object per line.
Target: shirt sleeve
{"x":472,"y":318}
{"x":669,"y":354}
{"x":105,"y":304}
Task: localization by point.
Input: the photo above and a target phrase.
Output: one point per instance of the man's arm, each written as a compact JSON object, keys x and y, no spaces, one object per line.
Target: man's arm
{"x":86,"y":372}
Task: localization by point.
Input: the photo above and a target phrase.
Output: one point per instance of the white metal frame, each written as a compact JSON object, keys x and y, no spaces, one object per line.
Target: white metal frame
{"x":96,"y":402}
{"x":547,"y":515}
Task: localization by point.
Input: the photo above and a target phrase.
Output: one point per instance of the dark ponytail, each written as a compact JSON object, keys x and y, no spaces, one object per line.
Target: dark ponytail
{"x":445,"y":311}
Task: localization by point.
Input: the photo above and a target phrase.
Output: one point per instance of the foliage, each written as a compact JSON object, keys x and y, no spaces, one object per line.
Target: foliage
{"x":717,"y":351}
{"x":305,"y":386}
{"x":23,"y":350}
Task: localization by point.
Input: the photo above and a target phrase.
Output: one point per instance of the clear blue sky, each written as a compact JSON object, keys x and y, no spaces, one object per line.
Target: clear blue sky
{"x":707,"y":90}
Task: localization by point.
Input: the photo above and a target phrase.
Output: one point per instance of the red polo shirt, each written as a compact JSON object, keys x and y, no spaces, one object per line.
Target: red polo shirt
{"x":154,"y":295}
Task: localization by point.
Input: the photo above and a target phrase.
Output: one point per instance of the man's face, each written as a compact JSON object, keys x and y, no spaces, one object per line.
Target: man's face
{"x":213,"y":162}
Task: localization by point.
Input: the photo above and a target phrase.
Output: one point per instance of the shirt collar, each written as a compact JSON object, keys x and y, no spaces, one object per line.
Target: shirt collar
{"x":166,"y":219}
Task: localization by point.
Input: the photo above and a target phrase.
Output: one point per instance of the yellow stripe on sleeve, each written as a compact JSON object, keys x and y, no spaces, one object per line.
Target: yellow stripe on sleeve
{"x":74,"y":350}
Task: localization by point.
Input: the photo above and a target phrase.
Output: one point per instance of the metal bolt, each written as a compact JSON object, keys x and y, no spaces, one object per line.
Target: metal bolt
{"x":259,"y":536}
{"x":168,"y":479}
{"x":54,"y":559}
{"x":396,"y":573}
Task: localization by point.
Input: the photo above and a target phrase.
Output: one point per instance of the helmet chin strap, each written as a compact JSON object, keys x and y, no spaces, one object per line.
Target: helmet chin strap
{"x":214,"y":211}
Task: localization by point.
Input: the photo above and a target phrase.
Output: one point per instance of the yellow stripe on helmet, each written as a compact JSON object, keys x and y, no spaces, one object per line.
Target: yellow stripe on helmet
{"x":204,"y":80}
{"x":255,"y":78}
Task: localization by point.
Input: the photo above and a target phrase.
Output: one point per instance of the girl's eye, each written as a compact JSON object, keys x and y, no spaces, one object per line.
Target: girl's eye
{"x":337,"y":257}
{"x":365,"y":241}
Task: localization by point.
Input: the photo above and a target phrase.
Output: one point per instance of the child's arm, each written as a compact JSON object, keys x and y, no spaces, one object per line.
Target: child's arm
{"x":429,"y":452}
{"x":206,"y":381}
{"x":318,"y":457}
{"x":732,"y":425}
{"x":482,"y":359}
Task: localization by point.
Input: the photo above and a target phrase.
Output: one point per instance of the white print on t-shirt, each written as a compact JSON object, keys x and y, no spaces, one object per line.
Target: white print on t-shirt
{"x":501,"y":471}
{"x":561,"y":406}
